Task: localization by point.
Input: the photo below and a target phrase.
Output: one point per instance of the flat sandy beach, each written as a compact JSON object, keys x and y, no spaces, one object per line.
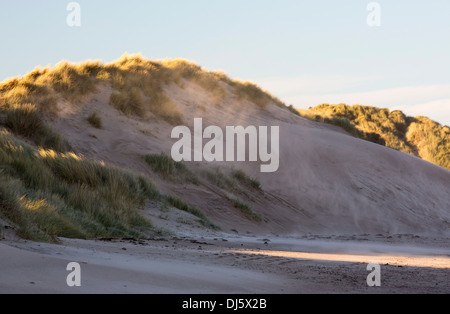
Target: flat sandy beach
{"x":225,"y":263}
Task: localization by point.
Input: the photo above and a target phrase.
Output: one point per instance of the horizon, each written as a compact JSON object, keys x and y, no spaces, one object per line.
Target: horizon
{"x":303,"y":53}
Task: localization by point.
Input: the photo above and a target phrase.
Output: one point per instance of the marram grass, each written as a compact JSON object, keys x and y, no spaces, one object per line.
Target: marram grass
{"x":47,"y":194}
{"x":417,"y":136}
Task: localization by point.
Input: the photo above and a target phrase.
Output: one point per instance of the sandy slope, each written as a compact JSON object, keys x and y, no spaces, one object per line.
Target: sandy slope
{"x":328,"y":182}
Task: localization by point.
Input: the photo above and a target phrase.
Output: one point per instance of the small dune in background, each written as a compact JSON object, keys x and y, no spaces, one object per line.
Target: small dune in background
{"x":418,"y":136}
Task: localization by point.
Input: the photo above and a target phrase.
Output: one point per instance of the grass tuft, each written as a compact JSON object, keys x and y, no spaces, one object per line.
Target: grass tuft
{"x":95,"y":120}
{"x":243,"y":178}
{"x":129,"y":101}
{"x":169,"y":169}
{"x":181,"y":205}
{"x":246,"y":210}
{"x":251,"y":92}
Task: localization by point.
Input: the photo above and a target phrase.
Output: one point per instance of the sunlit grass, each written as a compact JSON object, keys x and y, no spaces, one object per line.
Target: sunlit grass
{"x":25,"y":120}
{"x":138,"y":86}
{"x":418,"y":136}
{"x":184,"y":69}
{"x":251,"y":92}
{"x":129,"y":101}
{"x":49,"y":195}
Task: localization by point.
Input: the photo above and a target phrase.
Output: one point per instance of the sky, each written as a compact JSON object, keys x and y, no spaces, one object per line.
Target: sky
{"x":304,"y":52}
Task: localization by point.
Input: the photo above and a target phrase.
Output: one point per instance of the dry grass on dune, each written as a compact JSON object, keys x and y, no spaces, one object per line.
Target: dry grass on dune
{"x":431,"y":139}
{"x":95,"y":120}
{"x":417,"y":136}
{"x":46,"y":195}
{"x":26,"y":101}
{"x":150,"y":77}
{"x":167,"y":168}
{"x":236,"y":182}
{"x":25,"y":120}
{"x":251,"y":92}
{"x":183,"y":69}
{"x":138,"y":87}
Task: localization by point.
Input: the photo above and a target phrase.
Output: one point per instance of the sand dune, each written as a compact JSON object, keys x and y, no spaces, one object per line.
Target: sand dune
{"x":335,"y":204}
{"x":328,"y":182}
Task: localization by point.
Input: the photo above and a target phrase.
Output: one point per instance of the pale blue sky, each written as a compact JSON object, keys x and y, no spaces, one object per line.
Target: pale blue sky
{"x":305,"y":52}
